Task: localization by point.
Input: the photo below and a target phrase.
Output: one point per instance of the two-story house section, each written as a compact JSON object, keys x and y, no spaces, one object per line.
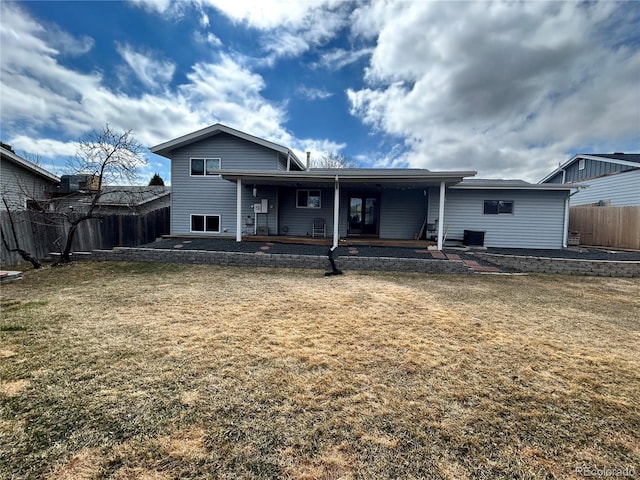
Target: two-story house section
{"x":202,"y":202}
{"x":613,"y":178}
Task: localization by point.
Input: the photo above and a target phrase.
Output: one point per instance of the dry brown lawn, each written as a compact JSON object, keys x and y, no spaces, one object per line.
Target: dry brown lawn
{"x":117,"y":370}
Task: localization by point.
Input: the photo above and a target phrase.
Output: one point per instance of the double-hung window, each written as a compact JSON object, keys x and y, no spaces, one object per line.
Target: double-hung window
{"x":308,"y":199}
{"x":498,"y":207}
{"x":203,"y":167}
{"x":205,"y":223}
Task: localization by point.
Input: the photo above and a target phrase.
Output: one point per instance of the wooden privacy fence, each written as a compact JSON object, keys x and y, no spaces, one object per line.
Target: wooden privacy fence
{"x":41,"y":233}
{"x":607,"y":226}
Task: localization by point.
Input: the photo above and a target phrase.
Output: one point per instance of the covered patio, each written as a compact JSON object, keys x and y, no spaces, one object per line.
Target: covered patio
{"x":368,"y":205}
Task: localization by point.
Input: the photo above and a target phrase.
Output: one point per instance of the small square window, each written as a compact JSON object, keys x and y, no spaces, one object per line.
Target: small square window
{"x":213,"y":165}
{"x":205,"y":166}
{"x":308,"y":199}
{"x":197,"y":166}
{"x":213,"y":223}
{"x":197,"y":223}
{"x":581,"y":164}
{"x":497,"y":207}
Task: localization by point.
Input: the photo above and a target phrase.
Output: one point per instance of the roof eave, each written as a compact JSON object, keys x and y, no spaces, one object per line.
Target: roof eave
{"x":382,"y":178}
{"x":32,"y":167}
{"x":164,"y":149}
{"x":537,"y":186}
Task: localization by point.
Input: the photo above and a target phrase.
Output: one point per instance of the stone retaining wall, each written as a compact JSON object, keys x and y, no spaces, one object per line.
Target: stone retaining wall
{"x":279,"y":260}
{"x":566,"y":266}
{"x":601,"y":268}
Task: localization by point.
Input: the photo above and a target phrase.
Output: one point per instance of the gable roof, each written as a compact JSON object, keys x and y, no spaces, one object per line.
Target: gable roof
{"x":165,"y":148}
{"x":627,"y":159}
{"x":27,"y":165}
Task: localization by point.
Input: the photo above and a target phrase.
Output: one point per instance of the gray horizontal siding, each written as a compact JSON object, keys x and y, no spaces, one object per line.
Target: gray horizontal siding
{"x":620,"y":189}
{"x":592,"y":169}
{"x":537,"y":221}
{"x":299,"y":221}
{"x":213,"y":195}
{"x":401,"y":213}
{"x":18,"y":184}
{"x":269,"y":220}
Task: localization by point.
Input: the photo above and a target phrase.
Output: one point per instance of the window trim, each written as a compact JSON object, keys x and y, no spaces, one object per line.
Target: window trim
{"x":581,"y":164}
{"x":498,"y":212}
{"x":309,"y":190}
{"x":204,"y":215}
{"x":204,"y":167}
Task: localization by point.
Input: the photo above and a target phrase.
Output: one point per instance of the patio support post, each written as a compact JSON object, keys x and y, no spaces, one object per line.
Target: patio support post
{"x":238,"y":210}
{"x":441,"y":216}
{"x":565,"y":223}
{"x":336,"y":213}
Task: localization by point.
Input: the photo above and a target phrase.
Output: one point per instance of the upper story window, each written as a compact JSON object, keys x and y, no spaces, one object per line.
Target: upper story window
{"x":581,"y":164}
{"x":205,"y":167}
{"x":498,"y":207}
{"x":308,"y":199}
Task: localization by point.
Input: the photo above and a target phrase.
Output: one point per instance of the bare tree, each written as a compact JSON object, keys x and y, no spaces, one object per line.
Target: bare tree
{"x":333,"y":160}
{"x":111,"y":157}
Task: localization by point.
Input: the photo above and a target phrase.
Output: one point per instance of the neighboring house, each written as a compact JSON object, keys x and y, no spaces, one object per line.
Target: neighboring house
{"x":116,"y":200}
{"x":22,"y":181}
{"x":226,"y":183}
{"x":613,"y":179}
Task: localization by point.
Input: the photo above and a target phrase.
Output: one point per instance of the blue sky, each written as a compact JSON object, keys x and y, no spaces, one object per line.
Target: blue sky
{"x":505,"y":88}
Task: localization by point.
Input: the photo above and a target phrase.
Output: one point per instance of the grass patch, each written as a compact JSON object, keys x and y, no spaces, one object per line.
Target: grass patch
{"x":12,"y":328}
{"x":176,"y":371}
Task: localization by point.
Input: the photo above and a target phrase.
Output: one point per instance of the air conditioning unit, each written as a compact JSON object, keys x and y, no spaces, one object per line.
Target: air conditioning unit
{"x":262,"y":207}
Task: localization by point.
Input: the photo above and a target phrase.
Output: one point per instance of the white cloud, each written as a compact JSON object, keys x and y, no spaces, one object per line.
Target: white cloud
{"x":268,"y":15}
{"x":317,"y":147}
{"x":313,"y":93}
{"x":157,"y":6}
{"x":207,"y":38}
{"x":204,"y":20}
{"x":67,"y":44}
{"x":45,"y":148}
{"x":339,"y":58}
{"x":290,"y":27}
{"x":40,"y":92}
{"x":504,"y":88}
{"x":152,"y":72}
